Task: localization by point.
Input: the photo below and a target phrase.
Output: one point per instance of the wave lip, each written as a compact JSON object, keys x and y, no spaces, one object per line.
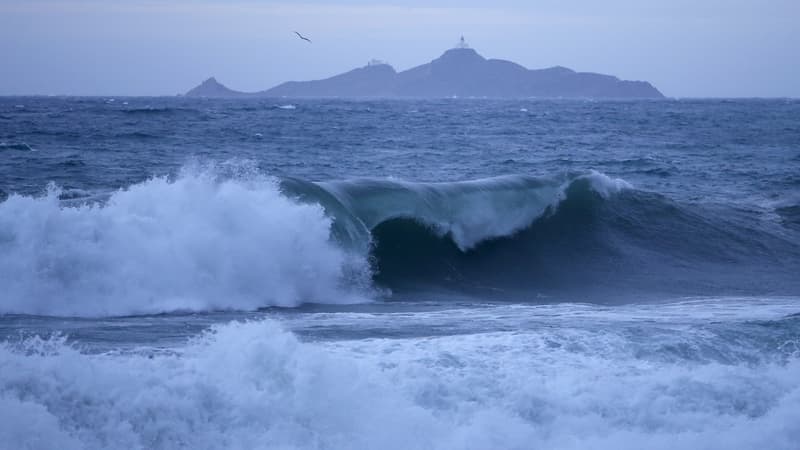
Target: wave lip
{"x":469,"y":212}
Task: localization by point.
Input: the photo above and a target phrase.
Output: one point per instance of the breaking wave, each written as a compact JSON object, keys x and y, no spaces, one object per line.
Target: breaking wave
{"x":207,"y":240}
{"x":467,"y":212}
{"x":583,"y":234}
{"x":193,"y":243}
{"x":255,"y":385}
{"x":15,"y":146}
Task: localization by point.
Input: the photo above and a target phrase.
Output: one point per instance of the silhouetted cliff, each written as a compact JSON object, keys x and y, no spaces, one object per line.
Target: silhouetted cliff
{"x":458,"y":72}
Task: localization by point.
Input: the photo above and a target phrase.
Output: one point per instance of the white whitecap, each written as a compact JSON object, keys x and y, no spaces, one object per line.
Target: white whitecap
{"x":191,"y":243}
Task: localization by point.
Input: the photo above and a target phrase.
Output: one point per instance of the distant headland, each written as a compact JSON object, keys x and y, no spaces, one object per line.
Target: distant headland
{"x":459,"y":72}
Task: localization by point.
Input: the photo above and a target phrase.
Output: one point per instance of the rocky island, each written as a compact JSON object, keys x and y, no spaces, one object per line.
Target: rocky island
{"x":459,"y":72}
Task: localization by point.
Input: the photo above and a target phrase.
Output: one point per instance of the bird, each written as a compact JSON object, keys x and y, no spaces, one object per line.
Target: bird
{"x":303,"y":37}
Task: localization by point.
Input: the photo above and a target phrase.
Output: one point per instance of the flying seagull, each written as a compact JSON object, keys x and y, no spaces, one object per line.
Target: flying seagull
{"x":303,"y":37}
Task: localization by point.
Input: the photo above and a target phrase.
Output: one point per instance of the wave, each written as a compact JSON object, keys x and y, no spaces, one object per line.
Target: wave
{"x":137,"y":135}
{"x":72,"y":161}
{"x":254,"y":384}
{"x":788,"y":210}
{"x":193,"y":243}
{"x":15,"y":146}
{"x":790,"y":215}
{"x":236,"y":239}
{"x":157,"y":110}
{"x":582,"y":234}
{"x":467,"y":212}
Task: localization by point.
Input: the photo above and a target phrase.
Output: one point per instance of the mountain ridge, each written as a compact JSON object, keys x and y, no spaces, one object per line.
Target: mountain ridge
{"x":458,"y":72}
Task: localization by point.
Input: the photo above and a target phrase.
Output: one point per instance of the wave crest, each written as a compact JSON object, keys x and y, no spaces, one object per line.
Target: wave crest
{"x":231,"y":238}
{"x":195,"y":242}
{"x":469,"y":212}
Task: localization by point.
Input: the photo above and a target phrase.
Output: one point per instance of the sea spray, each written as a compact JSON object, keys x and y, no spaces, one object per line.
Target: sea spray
{"x":226,"y":236}
{"x":563,"y":381}
{"x":195,"y":242}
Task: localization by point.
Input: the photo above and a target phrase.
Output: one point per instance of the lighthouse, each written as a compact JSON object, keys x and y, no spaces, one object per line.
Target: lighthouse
{"x":462,"y":43}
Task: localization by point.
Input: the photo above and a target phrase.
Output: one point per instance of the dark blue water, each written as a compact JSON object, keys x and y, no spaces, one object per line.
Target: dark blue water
{"x":399,"y":274}
{"x":690,"y":150}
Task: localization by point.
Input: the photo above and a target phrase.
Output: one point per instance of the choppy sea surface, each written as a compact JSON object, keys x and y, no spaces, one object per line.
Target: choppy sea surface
{"x":441,"y":274}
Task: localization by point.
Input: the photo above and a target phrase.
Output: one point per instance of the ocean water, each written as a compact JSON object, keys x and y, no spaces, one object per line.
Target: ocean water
{"x":438,"y":274}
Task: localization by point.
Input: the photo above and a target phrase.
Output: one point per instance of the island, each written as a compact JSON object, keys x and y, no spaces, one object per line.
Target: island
{"x":459,"y":72}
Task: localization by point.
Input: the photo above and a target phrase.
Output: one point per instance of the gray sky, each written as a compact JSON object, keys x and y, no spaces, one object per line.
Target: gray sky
{"x":686,"y":48}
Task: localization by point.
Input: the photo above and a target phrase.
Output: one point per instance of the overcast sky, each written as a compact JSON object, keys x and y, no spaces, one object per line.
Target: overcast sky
{"x":686,"y":48}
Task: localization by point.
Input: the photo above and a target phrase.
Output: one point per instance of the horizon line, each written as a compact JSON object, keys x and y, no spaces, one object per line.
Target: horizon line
{"x":248,"y":98}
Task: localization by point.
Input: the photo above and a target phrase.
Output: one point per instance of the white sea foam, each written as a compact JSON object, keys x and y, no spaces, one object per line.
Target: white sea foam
{"x":605,"y":185}
{"x":254,"y":385}
{"x":193,"y":243}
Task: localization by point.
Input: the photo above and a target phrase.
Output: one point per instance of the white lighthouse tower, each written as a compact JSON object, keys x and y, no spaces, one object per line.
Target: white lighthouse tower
{"x":462,"y":43}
